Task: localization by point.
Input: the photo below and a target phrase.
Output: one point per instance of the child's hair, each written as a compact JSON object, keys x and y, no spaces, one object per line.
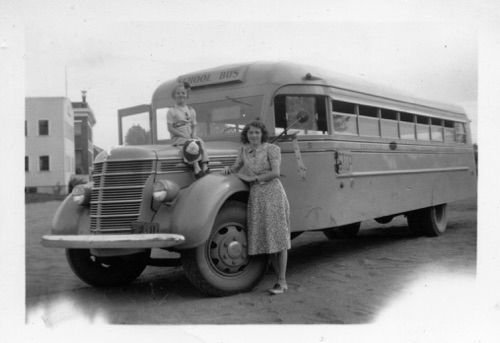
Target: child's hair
{"x":258,"y":124}
{"x":182,"y":84}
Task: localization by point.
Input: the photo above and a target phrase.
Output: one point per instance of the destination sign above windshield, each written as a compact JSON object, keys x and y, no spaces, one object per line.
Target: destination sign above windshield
{"x":214,"y":77}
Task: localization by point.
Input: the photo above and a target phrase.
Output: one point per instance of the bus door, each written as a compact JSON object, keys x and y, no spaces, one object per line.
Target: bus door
{"x":310,"y":195}
{"x":135,"y":125}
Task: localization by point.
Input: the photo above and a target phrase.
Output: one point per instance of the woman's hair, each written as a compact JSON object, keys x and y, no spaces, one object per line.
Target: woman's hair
{"x":258,"y":124}
{"x":184,"y":85}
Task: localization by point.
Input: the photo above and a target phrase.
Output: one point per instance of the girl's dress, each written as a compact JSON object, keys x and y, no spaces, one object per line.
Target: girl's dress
{"x":268,"y":214}
{"x":183,"y":118}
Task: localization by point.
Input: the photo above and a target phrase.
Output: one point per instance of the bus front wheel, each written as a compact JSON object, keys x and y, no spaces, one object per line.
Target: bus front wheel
{"x":429,"y":221}
{"x":344,"y":231}
{"x":221,"y":266}
{"x":106,"y":271}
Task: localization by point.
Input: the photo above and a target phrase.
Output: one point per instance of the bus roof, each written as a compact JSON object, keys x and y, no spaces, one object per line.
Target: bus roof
{"x":287,"y":73}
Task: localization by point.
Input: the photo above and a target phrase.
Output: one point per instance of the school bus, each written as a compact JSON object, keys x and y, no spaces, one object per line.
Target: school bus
{"x":351,"y":151}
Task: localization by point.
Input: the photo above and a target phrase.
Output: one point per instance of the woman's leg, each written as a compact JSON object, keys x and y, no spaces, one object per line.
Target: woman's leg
{"x":274,"y":263}
{"x":282,"y":258}
{"x":196,"y":167}
{"x":279,"y":261}
{"x":204,"y":156}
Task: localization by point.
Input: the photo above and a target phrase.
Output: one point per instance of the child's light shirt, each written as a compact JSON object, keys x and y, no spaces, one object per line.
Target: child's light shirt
{"x":182,"y":119}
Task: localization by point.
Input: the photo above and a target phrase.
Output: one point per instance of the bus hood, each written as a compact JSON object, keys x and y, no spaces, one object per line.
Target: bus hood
{"x":164,"y":151}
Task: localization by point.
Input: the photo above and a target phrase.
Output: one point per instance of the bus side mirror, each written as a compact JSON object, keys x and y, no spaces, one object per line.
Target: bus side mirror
{"x":302,"y":117}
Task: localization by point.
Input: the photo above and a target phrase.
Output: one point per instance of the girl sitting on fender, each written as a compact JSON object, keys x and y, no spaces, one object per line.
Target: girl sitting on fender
{"x":181,"y":123}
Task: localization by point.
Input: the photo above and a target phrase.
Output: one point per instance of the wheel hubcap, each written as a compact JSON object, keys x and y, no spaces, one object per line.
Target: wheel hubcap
{"x":234,"y":250}
{"x":228,"y":250}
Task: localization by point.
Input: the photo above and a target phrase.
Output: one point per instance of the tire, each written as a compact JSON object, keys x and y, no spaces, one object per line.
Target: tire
{"x":296,"y":234}
{"x":430,"y":221}
{"x":221,"y":266}
{"x":344,"y":231}
{"x":106,"y":271}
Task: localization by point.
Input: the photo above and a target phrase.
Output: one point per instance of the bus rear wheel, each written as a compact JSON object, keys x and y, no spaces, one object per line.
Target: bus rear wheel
{"x":221,"y":266}
{"x":429,"y":221}
{"x":106,"y":271}
{"x":344,"y":231}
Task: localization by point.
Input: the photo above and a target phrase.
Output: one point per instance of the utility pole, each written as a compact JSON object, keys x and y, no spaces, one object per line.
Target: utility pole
{"x":66,"y":80}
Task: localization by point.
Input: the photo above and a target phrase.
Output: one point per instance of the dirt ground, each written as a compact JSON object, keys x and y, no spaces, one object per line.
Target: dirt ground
{"x":382,"y":274}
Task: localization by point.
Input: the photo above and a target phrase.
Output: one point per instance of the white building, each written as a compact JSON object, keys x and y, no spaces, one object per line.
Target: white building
{"x":50,"y":144}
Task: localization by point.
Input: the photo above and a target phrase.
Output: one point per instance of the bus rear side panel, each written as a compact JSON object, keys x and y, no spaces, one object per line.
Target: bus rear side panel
{"x":380,"y":181}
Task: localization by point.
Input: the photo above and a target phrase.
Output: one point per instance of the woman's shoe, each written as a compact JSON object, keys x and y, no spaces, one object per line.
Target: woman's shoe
{"x":279,"y":288}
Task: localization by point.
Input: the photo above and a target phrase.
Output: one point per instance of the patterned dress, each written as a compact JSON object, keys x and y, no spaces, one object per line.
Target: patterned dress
{"x":268,"y":214}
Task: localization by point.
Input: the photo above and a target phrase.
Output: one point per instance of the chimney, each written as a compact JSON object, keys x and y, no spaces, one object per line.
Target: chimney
{"x":84,"y":97}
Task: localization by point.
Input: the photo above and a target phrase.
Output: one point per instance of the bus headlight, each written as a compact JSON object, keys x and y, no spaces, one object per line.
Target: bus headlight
{"x":81,"y":195}
{"x":165,"y":191}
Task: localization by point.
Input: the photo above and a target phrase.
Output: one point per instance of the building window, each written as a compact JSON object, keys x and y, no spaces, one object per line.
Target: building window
{"x":78,"y":162}
{"x":43,"y":127}
{"x":44,"y":163}
{"x":78,"y":157}
{"x":26,"y":163}
{"x":69,"y":132}
{"x":78,"y":128}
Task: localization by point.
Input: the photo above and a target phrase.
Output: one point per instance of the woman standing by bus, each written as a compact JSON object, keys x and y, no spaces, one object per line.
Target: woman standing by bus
{"x":268,"y":218}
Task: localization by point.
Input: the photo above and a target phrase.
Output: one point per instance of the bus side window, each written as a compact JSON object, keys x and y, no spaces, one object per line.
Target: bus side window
{"x":322,"y":123}
{"x":423,"y":128}
{"x":389,"y":123}
{"x":368,"y":121}
{"x":286,"y":109}
{"x":344,"y":118}
{"x":460,"y":132}
{"x":280,"y":113}
{"x":437,"y":129}
{"x":449,"y":131}
{"x":407,"y":125}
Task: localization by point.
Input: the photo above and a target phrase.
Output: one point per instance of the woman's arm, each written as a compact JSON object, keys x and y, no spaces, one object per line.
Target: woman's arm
{"x":272,"y":174}
{"x":194,"y":123}
{"x":238,"y":164}
{"x":175,"y":132}
{"x":194,"y":131}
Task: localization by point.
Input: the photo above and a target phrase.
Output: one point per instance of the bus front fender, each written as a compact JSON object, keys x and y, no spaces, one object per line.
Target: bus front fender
{"x":71,"y":218}
{"x":194,"y":212}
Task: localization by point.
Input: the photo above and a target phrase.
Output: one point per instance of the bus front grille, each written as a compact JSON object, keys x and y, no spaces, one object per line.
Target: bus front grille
{"x":117,"y":194}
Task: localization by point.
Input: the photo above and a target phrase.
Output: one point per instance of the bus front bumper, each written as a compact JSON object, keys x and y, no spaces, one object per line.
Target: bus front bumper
{"x":156,"y":240}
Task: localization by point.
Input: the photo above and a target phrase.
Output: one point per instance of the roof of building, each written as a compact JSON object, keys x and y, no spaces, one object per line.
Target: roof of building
{"x":83,"y":107}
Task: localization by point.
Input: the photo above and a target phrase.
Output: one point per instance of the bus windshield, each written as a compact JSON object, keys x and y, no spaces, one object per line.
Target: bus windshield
{"x":216,"y":118}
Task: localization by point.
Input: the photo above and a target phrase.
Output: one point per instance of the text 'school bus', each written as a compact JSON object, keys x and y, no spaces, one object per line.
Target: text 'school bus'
{"x":350,"y":152}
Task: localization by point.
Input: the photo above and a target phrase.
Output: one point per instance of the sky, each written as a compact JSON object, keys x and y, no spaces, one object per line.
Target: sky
{"x":120,"y":51}
{"x":121,"y":62}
